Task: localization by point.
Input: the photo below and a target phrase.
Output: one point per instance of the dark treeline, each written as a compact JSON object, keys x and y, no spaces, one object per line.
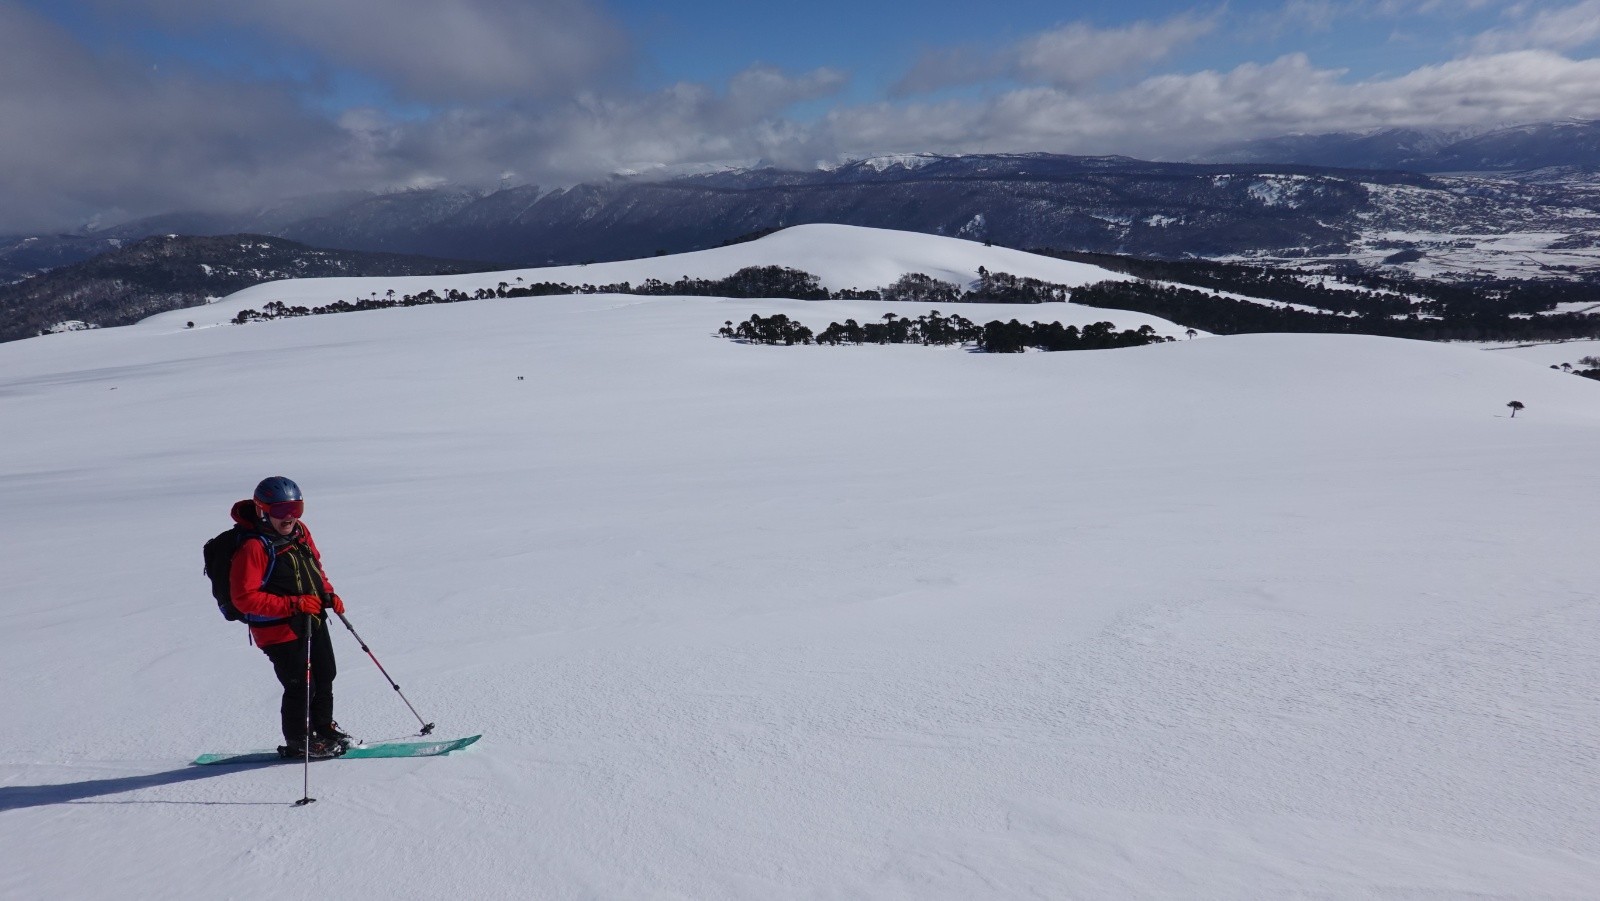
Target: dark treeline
{"x":933,"y":329}
{"x":991,"y":287}
{"x":1226,"y":316}
{"x":1003,"y":287}
{"x":1383,"y":295}
{"x":750,"y":282}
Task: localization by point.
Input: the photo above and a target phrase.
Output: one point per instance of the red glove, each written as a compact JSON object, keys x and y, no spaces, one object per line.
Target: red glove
{"x":338,"y":605}
{"x":308,"y":603}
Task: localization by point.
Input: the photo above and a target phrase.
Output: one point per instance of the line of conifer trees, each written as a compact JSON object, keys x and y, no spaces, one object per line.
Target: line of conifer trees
{"x":933,"y":329}
{"x":749,"y":282}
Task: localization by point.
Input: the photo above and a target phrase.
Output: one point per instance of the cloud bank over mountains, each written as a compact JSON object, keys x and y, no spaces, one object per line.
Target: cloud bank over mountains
{"x":135,"y":107}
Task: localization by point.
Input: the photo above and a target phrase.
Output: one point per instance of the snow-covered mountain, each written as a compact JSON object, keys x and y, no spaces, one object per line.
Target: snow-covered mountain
{"x":1292,"y":200}
{"x":1542,"y":145}
{"x":1107,"y":204}
{"x":1263,"y":616}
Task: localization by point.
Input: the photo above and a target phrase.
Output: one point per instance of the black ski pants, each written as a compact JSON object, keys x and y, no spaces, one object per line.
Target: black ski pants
{"x":289,"y":663}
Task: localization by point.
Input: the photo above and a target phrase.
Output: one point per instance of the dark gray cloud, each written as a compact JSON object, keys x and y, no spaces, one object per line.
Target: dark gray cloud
{"x":437,"y":51}
{"x":92,"y":135}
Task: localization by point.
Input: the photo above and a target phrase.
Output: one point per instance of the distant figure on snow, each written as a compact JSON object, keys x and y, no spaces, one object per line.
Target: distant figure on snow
{"x":286,"y":596}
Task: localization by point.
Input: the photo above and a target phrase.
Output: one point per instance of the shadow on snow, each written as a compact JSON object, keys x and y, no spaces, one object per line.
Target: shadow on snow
{"x":16,"y":797}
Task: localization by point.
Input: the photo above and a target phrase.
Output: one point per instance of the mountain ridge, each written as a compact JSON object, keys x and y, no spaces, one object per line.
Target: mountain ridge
{"x":1518,"y":148}
{"x":1542,"y":222}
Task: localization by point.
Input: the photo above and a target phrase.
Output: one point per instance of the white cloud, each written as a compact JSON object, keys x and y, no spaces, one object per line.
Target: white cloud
{"x":594,"y":134}
{"x":1567,"y":28}
{"x":1170,"y":115}
{"x":1326,"y":15}
{"x":1077,"y":55}
{"x":1310,"y":15}
{"x":764,"y":90}
{"x":1073,"y":55}
{"x":1429,"y":7}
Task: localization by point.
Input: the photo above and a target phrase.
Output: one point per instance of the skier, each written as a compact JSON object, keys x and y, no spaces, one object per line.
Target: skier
{"x":286,"y":596}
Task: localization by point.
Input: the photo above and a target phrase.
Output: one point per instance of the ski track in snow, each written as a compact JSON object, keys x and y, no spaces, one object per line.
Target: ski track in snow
{"x":1259,"y":616}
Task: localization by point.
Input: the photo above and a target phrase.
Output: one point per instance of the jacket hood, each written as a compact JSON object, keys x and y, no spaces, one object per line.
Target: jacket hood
{"x":244,"y":513}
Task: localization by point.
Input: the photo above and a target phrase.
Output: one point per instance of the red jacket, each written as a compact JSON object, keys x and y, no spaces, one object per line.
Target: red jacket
{"x":249,"y":570}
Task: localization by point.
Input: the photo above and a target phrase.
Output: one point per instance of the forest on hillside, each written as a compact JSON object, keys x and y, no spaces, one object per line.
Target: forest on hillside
{"x":1284,"y":302}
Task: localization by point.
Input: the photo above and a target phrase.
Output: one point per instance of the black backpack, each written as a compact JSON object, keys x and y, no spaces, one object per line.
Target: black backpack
{"x":219,"y":553}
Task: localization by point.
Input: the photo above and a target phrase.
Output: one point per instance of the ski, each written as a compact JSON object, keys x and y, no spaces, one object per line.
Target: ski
{"x":433,"y":748}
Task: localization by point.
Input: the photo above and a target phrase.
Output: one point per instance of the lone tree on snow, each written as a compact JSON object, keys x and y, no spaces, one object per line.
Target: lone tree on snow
{"x":1515,"y":406}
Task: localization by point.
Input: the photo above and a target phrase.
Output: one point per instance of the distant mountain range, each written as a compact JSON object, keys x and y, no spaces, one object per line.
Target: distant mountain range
{"x":1571,"y":143}
{"x":1393,"y":200}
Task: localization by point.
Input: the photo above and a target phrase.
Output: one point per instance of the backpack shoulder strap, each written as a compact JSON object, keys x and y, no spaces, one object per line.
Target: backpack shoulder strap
{"x":251,"y":619}
{"x":272,"y":554}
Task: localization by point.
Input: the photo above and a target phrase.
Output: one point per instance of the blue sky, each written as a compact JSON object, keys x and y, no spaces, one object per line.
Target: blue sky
{"x":126,"y":107}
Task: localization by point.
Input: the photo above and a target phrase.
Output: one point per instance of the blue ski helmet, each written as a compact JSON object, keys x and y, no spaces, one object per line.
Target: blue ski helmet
{"x":276,"y":490}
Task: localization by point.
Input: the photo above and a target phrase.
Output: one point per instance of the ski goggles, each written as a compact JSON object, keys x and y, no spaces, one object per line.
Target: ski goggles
{"x":283,"y":509}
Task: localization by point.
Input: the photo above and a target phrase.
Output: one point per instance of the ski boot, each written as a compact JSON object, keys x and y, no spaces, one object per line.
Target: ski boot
{"x":332,"y":734}
{"x":320,"y":749}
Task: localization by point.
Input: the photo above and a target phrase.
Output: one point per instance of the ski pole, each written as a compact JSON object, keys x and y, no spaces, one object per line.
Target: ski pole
{"x":305,"y":742}
{"x":426,"y":726}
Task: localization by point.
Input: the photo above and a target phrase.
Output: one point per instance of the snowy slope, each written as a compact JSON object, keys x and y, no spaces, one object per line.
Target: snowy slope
{"x":1255,"y":616}
{"x":841,"y":256}
{"x":1552,"y":353}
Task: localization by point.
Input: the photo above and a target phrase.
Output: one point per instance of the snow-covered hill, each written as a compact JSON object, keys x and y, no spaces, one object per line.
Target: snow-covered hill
{"x":841,"y":256}
{"x":1260,"y":616}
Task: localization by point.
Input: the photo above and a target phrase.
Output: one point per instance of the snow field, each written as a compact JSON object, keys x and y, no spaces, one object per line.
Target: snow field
{"x":1256,"y":616}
